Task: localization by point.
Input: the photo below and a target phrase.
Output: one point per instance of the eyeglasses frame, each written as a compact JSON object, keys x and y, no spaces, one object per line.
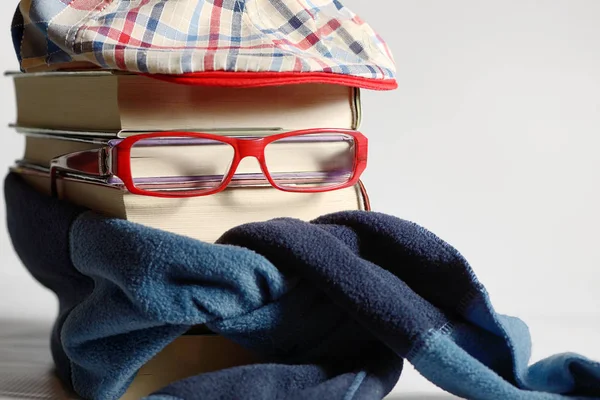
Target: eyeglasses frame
{"x":116,"y":160}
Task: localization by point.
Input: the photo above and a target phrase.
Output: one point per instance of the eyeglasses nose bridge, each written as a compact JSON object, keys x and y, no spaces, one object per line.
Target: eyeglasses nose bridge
{"x":250,"y":148}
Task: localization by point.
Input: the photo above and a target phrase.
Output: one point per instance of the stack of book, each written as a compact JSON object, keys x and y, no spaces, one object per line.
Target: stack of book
{"x":74,"y":122}
{"x":65,"y":112}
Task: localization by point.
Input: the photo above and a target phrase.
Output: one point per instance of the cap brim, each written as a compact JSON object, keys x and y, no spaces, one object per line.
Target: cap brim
{"x":262,"y":79}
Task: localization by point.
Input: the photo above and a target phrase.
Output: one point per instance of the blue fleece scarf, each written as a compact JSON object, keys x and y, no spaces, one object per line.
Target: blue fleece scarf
{"x":334,"y":304}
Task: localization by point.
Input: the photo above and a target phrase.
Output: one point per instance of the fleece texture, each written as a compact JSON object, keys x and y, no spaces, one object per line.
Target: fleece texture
{"x":333,"y":305}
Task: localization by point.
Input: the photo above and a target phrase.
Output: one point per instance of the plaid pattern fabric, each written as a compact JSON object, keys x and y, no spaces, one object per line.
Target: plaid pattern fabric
{"x":185,"y":36}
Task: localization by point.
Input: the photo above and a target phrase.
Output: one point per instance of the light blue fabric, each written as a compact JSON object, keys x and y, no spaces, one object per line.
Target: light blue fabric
{"x":440,"y":358}
{"x":157,"y":286}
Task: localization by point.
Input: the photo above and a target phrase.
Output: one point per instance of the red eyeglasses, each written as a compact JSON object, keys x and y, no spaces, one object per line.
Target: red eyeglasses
{"x":188,"y":164}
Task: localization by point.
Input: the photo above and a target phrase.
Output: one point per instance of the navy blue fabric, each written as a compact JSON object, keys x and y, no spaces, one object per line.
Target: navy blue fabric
{"x":334,"y":306}
{"x":420,"y":297}
{"x":39,"y":229}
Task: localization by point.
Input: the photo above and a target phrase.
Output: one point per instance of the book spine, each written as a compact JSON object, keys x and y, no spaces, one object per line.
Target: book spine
{"x":356,"y":105}
{"x":365,"y":196}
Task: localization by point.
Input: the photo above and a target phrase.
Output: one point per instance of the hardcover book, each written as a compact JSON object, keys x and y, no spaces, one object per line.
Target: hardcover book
{"x":120,"y":104}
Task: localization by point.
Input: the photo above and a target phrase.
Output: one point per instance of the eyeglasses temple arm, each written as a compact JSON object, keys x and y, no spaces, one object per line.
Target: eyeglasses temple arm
{"x":93,"y":162}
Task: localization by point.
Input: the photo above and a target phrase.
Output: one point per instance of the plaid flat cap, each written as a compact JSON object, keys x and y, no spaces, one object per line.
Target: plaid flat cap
{"x":207,"y":42}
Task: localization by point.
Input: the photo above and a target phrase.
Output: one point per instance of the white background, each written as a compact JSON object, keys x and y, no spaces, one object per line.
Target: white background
{"x":491,"y":142}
